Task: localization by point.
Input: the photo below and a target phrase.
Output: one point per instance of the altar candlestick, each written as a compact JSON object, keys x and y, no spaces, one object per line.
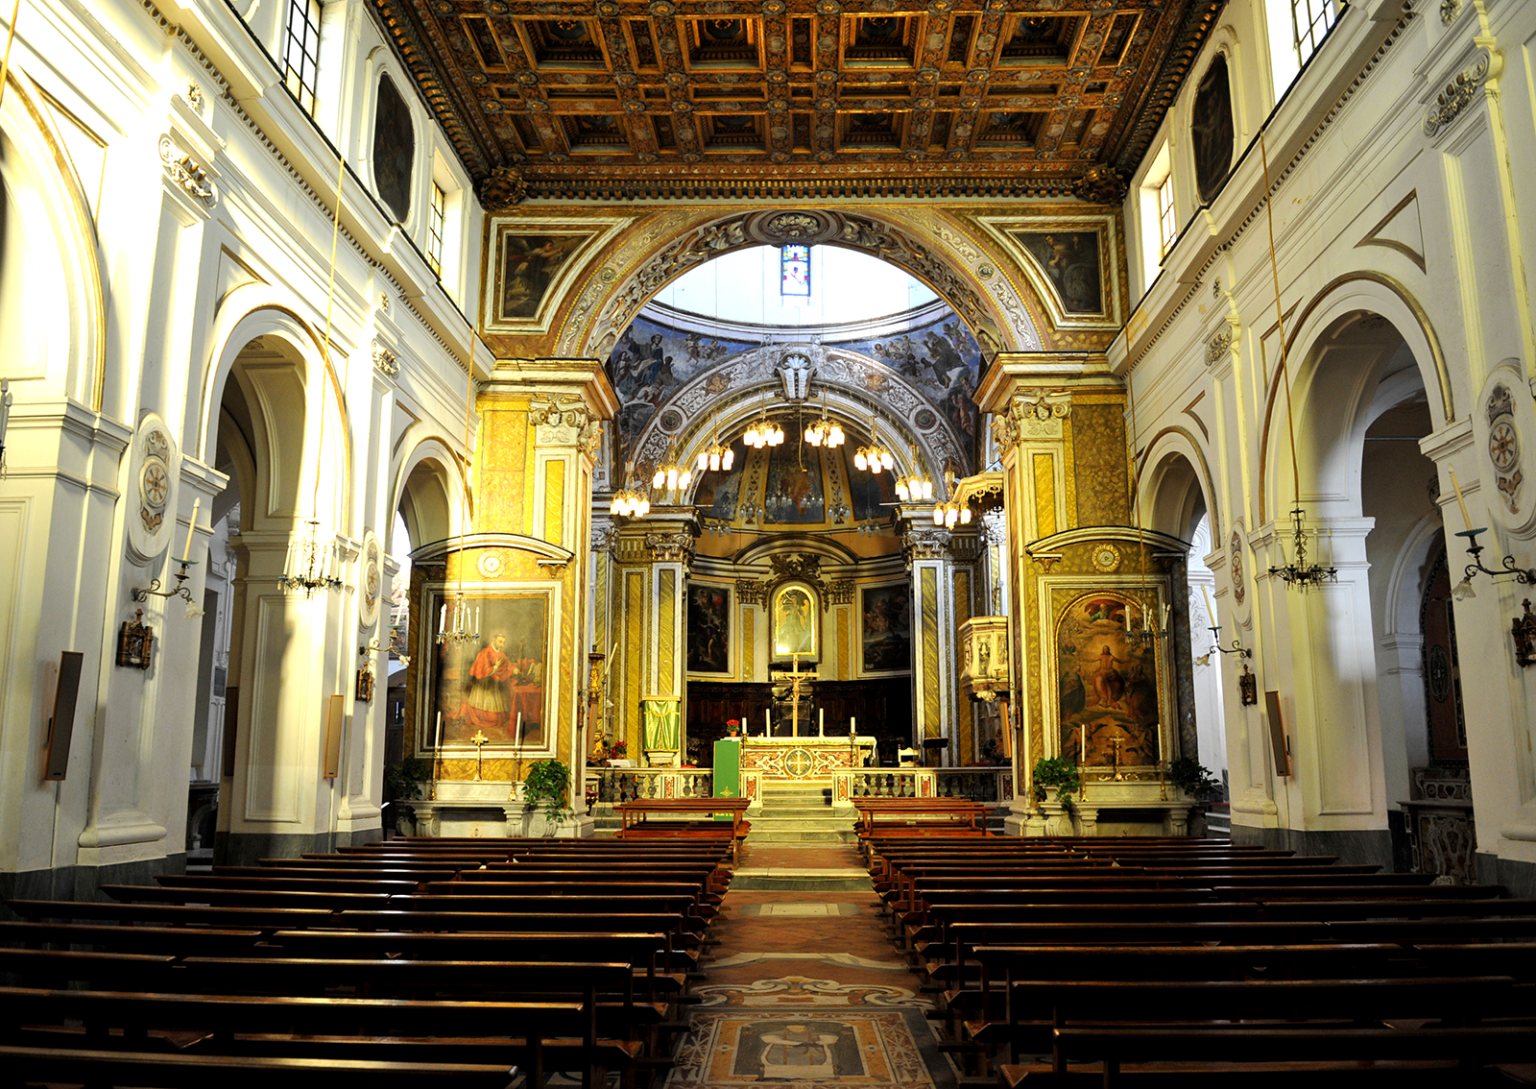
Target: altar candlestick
{"x":186,"y":553}
{"x":1465,"y":517}
{"x":519,"y":734}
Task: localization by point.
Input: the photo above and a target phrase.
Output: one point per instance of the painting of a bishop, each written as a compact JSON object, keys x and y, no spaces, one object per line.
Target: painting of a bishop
{"x":498,"y":688}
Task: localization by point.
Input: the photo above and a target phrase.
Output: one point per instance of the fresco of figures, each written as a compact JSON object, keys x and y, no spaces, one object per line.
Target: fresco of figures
{"x":651,"y":362}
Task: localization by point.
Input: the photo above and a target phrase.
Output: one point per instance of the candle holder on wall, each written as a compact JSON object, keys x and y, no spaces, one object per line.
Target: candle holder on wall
{"x":182,"y":590}
{"x":1509,"y":569}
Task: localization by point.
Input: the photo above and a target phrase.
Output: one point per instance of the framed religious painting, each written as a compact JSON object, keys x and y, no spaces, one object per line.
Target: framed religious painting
{"x":709,"y":628}
{"x":533,"y":264}
{"x":1110,"y":690}
{"x":885,"y":629}
{"x":499,"y":684}
{"x":1071,"y":261}
{"x":795,"y":610}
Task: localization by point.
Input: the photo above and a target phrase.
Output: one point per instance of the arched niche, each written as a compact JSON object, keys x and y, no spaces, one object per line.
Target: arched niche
{"x":428,"y":492}
{"x":52,"y":306}
{"x":274,"y":357}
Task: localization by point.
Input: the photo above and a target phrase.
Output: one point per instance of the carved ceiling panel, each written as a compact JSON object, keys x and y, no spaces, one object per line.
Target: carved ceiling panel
{"x":624,"y":99}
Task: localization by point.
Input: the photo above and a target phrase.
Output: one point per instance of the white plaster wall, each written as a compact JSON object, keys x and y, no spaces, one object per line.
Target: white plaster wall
{"x":154,"y":292}
{"x":1427,"y":227}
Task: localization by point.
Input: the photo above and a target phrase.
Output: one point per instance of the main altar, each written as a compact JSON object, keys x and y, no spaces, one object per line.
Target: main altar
{"x":802,"y":758}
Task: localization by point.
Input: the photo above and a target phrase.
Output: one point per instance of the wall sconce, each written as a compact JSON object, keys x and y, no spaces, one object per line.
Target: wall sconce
{"x":1523,"y":576}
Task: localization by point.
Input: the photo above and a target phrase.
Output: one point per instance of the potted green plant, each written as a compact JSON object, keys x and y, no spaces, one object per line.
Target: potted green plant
{"x":1195,"y":781}
{"x":546,"y":793}
{"x":1058,"y":774}
{"x":406,"y":778}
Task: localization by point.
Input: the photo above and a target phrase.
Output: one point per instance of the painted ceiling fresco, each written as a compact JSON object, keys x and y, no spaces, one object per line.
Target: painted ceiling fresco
{"x":924,"y":376}
{"x":625,"y":99}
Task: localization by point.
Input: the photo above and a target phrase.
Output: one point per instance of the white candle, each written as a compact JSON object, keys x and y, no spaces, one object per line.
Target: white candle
{"x":821,"y":719}
{"x":519,"y":734}
{"x":1465,"y":517}
{"x":442,"y":618}
{"x":1127,"y":617}
{"x":853,"y":724}
{"x":186,"y":553}
{"x":1210,"y":612}
{"x":767,"y":722}
{"x":438,"y":744}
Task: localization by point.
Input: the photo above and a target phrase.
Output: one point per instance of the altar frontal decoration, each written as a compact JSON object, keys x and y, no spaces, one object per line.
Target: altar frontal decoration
{"x":663,"y":723}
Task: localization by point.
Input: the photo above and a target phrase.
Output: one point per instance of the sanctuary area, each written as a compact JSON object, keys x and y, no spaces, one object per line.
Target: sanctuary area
{"x":934,"y":467}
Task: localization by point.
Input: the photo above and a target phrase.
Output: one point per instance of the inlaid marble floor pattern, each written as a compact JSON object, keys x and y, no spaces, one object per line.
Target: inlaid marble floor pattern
{"x":806,"y":990}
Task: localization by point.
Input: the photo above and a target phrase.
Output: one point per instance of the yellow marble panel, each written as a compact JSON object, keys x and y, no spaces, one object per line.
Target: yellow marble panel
{"x":666,"y":631}
{"x":634,"y":627}
{"x":931,"y":706}
{"x":844,"y":667}
{"x":748,"y":642}
{"x":1045,"y":496}
{"x":554,"y":501}
{"x":964,"y":713}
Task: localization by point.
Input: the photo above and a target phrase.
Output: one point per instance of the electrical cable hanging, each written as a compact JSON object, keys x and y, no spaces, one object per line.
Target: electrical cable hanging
{"x":465,"y":628}
{"x":311,"y":565}
{"x":1297,"y":573}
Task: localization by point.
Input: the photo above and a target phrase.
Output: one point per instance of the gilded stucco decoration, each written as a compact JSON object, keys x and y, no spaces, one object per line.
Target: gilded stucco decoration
{"x":651,"y":99}
{"x":1456,"y":96}
{"x":154,"y":466}
{"x":1504,"y":447}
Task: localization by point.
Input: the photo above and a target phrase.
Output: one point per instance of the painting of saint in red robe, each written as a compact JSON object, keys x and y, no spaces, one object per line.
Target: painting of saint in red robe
{"x":497,"y":688}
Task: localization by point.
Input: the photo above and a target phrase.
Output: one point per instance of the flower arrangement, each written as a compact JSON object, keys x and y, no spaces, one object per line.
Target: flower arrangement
{"x":618,"y":750}
{"x":733,"y":726}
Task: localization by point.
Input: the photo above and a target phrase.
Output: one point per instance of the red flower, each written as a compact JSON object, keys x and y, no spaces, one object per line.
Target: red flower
{"x":733,"y":722}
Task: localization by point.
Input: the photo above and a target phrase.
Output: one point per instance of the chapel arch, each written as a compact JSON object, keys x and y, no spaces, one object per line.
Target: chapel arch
{"x":998,"y":317}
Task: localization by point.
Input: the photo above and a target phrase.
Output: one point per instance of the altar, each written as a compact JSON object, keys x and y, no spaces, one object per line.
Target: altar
{"x":801,"y":758}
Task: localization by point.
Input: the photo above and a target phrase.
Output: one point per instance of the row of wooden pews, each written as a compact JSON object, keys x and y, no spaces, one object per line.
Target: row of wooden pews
{"x":1167,"y":962}
{"x":407,"y":962}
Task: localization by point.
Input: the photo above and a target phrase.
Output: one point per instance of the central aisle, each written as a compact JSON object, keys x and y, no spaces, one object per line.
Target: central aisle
{"x":806,"y":988}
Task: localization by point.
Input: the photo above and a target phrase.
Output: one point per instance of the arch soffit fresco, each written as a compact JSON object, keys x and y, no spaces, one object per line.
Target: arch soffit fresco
{"x":723,"y":399}
{"x":1363,"y":292}
{"x":672,"y":243}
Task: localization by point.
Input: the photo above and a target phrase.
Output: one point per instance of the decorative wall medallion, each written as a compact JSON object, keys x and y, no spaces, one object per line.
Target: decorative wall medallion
{"x":671,"y":420}
{"x":370,"y":581}
{"x":1239,"y":590}
{"x":1106,"y":557}
{"x":794,"y":225}
{"x":1504,"y":446}
{"x":490,"y":565}
{"x":1457,"y":94}
{"x":925,"y":420}
{"x":1449,"y":9}
{"x":155,"y":480}
{"x":717,"y":384}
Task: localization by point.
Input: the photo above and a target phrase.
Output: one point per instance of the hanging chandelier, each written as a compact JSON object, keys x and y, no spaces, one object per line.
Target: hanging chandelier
{"x":670,"y":476}
{"x":874,"y":457}
{"x":763,"y":432}
{"x":951,"y":513}
{"x":914,"y":487}
{"x":629,"y":501}
{"x":825,"y":431}
{"x":715,"y":458}
{"x":1298,"y":572}
{"x":465,"y":624}
{"x":311,"y":565}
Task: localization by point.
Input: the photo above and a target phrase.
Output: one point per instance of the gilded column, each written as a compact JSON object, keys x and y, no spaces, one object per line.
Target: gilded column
{"x":926,"y":550}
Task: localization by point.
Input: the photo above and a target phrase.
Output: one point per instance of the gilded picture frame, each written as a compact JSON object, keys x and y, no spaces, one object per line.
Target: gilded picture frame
{"x":533,"y":263}
{"x":795,"y":610}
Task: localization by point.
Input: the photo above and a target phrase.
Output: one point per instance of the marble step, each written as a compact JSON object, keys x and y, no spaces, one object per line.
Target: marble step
{"x":840,"y":835}
{"x":787,"y":879}
{"x":775,"y":821}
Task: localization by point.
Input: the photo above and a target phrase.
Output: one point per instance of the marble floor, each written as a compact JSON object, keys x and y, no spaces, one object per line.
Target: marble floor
{"x":805,"y":988}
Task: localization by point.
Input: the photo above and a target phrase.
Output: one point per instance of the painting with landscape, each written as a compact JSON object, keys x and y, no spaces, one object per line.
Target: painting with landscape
{"x":1109,"y":708}
{"x":494,"y":686}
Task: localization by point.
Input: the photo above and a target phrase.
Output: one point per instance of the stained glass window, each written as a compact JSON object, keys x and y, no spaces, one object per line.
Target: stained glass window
{"x":795,"y":272}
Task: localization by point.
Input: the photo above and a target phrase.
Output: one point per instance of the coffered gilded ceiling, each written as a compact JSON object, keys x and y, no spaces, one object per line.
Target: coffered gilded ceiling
{"x":626,"y":99}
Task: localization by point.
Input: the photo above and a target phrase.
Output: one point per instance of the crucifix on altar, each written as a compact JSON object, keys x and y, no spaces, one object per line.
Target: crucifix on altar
{"x":479,"y":742}
{"x":794,"y":678}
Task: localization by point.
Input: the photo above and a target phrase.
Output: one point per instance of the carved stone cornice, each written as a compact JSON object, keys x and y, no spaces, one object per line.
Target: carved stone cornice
{"x":674,"y":547}
{"x":752,"y":591}
{"x":840,"y":592}
{"x":925,"y":543}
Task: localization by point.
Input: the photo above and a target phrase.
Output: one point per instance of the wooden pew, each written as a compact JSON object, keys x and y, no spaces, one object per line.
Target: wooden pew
{"x":925,"y":817}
